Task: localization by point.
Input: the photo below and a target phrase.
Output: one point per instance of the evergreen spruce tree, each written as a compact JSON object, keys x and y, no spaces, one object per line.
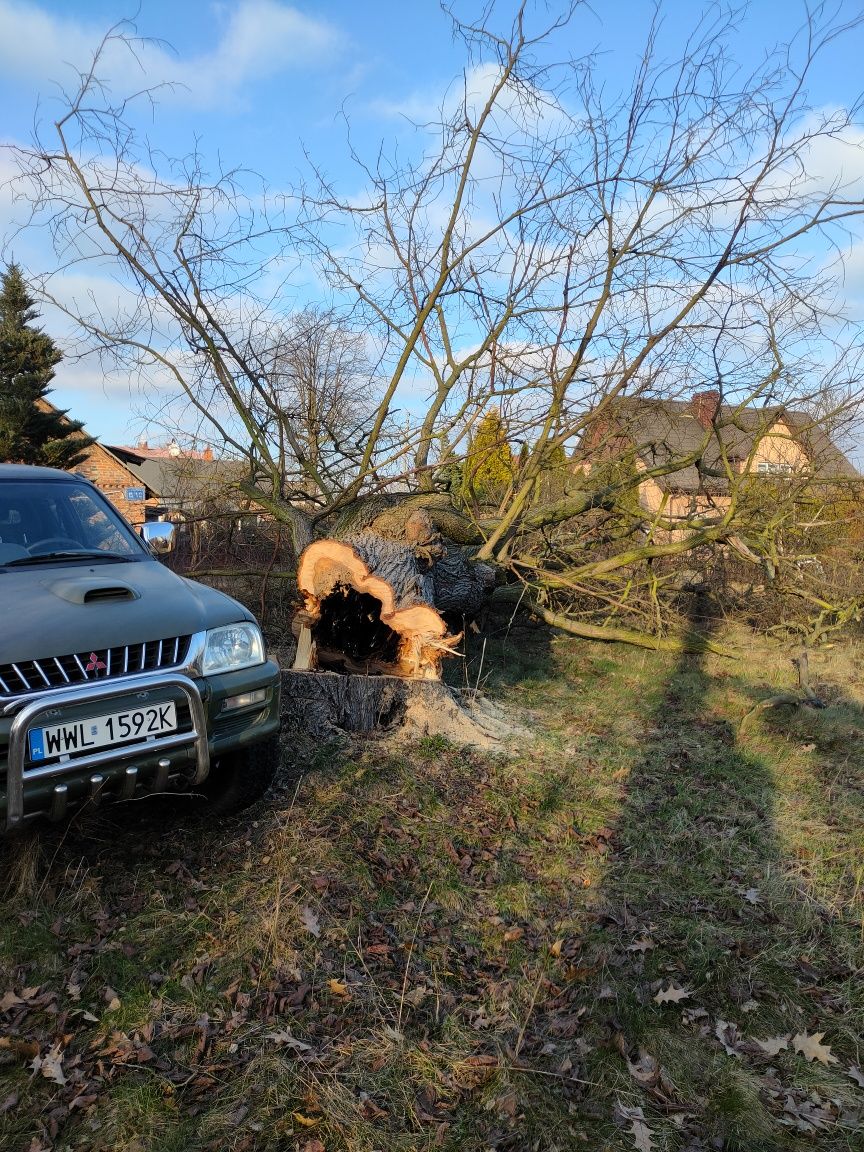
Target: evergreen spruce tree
{"x":488,"y":470}
{"x":30,"y":434}
{"x":448,"y":474}
{"x":554,"y":473}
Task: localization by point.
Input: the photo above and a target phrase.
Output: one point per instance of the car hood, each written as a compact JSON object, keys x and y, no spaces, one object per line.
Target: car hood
{"x":60,"y":609}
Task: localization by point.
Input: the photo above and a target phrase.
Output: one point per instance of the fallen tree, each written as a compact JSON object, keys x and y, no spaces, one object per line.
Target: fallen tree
{"x":553,"y":250}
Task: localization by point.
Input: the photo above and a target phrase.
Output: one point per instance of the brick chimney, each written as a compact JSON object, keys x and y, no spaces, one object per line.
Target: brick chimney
{"x":704,"y":406}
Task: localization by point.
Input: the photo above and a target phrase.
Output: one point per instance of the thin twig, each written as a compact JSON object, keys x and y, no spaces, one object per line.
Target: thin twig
{"x":530,"y":1012}
{"x":410,"y":954}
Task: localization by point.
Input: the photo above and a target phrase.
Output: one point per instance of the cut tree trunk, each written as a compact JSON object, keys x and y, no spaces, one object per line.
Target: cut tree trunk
{"x":368,"y":607}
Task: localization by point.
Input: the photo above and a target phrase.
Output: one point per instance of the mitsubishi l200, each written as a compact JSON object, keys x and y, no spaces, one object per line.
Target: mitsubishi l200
{"x":118,"y":676}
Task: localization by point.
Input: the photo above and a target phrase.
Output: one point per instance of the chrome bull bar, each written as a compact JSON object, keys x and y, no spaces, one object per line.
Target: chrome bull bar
{"x":17,"y":771}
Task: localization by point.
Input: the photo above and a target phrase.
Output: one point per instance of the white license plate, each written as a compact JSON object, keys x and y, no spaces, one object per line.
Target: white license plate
{"x":102,"y":731}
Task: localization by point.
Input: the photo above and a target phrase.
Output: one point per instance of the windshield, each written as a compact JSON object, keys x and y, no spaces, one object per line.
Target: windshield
{"x":44,"y":518}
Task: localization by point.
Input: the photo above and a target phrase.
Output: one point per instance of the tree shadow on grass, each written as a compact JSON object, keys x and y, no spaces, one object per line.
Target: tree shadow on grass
{"x":511,"y":650}
{"x":463,"y":976}
{"x":699,"y":897}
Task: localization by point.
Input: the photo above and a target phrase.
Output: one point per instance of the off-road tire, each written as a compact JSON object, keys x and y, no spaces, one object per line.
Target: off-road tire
{"x":239,"y":779}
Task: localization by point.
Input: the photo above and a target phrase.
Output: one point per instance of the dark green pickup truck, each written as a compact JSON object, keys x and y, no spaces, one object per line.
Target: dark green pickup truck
{"x":116,"y":675}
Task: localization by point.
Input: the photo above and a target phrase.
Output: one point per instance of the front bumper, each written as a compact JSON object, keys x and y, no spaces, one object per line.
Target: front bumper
{"x":182,"y":757}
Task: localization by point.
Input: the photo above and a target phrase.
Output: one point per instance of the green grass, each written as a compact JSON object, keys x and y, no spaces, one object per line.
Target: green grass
{"x":491,"y":931}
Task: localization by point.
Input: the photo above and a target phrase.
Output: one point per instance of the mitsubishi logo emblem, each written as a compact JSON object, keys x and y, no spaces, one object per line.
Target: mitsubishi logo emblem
{"x":95,"y":664}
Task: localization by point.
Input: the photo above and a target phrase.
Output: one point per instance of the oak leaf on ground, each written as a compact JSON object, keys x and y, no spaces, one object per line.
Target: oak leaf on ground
{"x":773,"y":1044}
{"x":638,"y":1129}
{"x":51,"y":1064}
{"x":671,"y":994}
{"x":812,"y":1048}
{"x":310,"y":921}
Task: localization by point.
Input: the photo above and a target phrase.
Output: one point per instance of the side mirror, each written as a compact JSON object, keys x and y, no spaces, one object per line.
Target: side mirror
{"x":159,"y":535}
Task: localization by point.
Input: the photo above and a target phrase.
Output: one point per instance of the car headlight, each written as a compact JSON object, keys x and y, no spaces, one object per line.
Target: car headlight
{"x":235,"y":646}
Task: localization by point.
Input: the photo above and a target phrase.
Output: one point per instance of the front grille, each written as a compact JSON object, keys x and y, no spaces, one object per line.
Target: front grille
{"x":29,"y":676}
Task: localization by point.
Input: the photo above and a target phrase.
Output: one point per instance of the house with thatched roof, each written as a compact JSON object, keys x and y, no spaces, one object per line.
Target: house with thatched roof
{"x":692,"y":452}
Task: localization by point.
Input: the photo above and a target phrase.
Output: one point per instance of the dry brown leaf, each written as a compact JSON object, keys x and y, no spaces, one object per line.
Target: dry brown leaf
{"x":855,"y":1073}
{"x":646,"y":1070}
{"x":338,"y":988}
{"x":750,"y":1006}
{"x":642,"y":945}
{"x":284,"y":1037}
{"x":556,"y":947}
{"x":671,"y":994}
{"x":310,"y":921}
{"x":641,"y":1134}
{"x":513,"y":934}
{"x":812,"y":1048}
{"x":728,"y":1035}
{"x":312,"y":1146}
{"x":773,"y":1044}
{"x":50,"y":1065}
{"x":638,"y":1129}
{"x":9,"y":1000}
{"x":752,"y":896}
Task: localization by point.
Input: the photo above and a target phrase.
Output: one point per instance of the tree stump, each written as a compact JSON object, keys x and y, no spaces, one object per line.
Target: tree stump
{"x":377,"y":610}
{"x":325,"y":705}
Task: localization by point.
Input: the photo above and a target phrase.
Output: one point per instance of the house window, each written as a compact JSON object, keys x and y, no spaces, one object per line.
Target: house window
{"x":774,"y":468}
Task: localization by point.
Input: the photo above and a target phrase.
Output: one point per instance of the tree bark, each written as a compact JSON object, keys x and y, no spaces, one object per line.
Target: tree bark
{"x":324,"y":705}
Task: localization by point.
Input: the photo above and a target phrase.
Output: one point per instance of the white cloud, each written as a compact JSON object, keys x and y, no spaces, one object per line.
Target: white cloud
{"x":520,"y":105}
{"x":259,"y":39}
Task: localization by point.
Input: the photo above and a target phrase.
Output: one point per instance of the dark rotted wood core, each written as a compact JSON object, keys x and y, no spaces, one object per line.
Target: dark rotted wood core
{"x":350,"y":623}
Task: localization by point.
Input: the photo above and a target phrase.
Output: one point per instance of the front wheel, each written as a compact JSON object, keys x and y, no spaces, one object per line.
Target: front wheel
{"x":239,"y":778}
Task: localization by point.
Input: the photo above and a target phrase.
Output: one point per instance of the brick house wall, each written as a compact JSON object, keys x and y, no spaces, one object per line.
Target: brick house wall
{"x":112,"y":478}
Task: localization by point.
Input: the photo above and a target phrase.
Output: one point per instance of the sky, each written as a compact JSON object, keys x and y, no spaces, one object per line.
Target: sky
{"x":262,"y":84}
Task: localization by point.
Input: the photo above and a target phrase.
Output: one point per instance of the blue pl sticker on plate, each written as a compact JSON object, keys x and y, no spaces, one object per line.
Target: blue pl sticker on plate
{"x":37,"y":750}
